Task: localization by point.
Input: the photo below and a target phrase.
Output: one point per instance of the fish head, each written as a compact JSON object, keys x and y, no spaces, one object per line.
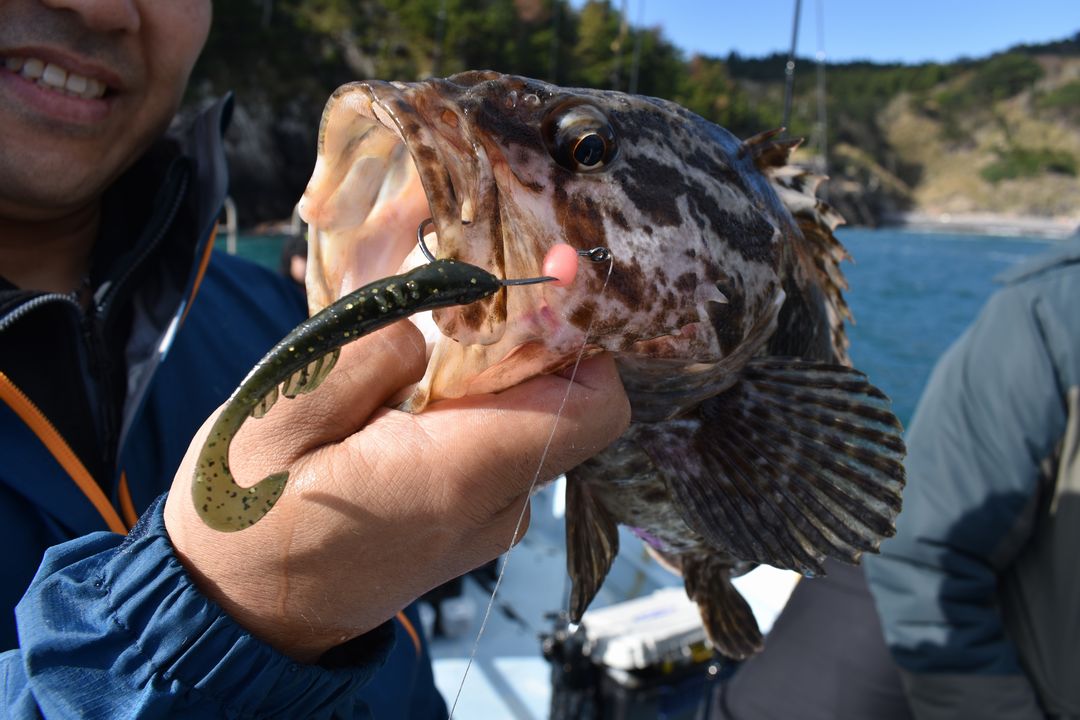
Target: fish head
{"x":507,"y":167}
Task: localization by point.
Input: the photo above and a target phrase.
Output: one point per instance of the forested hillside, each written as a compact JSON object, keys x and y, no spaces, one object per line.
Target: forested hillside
{"x":995,"y":134}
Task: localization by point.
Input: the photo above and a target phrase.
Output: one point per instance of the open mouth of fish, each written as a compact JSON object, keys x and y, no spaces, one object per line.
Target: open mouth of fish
{"x":379,"y":174}
{"x":392,"y":155}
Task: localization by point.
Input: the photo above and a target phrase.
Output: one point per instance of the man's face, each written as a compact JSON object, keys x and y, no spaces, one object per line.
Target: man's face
{"x":85,"y":87}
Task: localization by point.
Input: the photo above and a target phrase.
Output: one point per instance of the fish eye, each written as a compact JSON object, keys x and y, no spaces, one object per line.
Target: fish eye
{"x":579,"y":137}
{"x":589,"y":149}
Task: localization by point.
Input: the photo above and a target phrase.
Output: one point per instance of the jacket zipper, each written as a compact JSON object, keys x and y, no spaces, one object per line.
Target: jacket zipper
{"x":100,"y":385}
{"x":31,"y":305}
{"x":107,"y":291}
{"x":94,"y":327}
{"x":94,"y":361}
{"x":92,"y":322}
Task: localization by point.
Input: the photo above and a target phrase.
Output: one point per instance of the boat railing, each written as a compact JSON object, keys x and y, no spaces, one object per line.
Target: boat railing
{"x":229,"y":211}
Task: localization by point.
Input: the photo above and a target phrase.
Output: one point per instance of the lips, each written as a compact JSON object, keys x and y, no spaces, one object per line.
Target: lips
{"x":435,"y":160}
{"x":52,"y":85}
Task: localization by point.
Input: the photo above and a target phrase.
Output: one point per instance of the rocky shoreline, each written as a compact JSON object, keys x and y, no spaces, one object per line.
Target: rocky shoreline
{"x":1054,"y":228}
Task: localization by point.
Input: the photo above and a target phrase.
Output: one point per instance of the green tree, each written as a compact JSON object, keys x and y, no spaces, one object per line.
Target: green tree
{"x":1003,"y":76}
{"x":660,"y":67}
{"x":594,"y":60}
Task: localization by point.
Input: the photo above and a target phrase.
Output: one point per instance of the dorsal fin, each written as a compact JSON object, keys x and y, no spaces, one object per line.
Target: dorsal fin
{"x":816,"y":250}
{"x":770,"y":151}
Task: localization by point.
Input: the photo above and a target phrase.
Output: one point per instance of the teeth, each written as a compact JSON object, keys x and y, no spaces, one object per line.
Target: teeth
{"x":33,"y":69}
{"x":54,"y":77}
{"x":76,"y":84}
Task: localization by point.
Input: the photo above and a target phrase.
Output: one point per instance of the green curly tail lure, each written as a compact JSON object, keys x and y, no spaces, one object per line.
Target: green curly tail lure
{"x":303,"y":359}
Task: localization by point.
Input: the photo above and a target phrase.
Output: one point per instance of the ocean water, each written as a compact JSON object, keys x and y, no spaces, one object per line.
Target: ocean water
{"x":263,"y":249}
{"x":912,"y":294}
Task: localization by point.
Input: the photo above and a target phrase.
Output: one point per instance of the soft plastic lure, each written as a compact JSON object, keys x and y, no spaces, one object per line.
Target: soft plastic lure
{"x":302,"y":360}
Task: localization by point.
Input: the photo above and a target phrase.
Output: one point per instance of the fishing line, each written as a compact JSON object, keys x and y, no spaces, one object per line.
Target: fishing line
{"x":528,"y":495}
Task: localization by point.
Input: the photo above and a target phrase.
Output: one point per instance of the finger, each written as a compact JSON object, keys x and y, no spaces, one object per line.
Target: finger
{"x":447,"y":487}
{"x":468,"y":460}
{"x":503,"y":443}
{"x":368,"y":372}
{"x":577,"y":418}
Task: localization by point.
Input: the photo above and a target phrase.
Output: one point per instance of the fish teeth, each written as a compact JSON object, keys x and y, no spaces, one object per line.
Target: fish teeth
{"x":54,"y":77}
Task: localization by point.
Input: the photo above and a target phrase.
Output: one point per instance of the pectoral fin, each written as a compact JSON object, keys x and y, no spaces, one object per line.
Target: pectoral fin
{"x":796,"y":462}
{"x":592,"y":542}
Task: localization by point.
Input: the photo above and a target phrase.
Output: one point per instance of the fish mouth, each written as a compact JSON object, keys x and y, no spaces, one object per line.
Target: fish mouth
{"x":389,"y":158}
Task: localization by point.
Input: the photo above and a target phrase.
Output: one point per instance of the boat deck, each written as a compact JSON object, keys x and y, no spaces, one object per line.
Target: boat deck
{"x":509,"y":677}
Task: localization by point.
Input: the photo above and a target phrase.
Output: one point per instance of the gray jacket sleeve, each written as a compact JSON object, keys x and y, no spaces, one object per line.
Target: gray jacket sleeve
{"x":991,"y":413}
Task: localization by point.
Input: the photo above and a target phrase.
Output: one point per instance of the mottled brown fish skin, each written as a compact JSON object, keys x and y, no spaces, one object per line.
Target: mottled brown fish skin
{"x":751,"y":440}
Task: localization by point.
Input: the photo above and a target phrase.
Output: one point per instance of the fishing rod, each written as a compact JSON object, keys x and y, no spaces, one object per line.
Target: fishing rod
{"x":789,"y":68}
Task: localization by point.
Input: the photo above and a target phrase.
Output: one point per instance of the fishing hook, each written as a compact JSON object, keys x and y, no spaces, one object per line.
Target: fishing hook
{"x":596,"y":255}
{"x":420,"y":239}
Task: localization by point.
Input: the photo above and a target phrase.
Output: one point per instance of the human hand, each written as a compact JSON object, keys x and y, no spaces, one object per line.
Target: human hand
{"x":381,"y":505}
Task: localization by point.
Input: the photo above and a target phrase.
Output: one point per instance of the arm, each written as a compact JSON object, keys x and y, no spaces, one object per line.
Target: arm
{"x":991,"y":413}
{"x":113,"y":627}
{"x":382,"y":506}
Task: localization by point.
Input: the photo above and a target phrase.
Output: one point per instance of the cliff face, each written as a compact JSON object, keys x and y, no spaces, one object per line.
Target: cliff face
{"x":1015,"y":155}
{"x":271,"y":156}
{"x":271,"y":153}
{"x":987,"y":141}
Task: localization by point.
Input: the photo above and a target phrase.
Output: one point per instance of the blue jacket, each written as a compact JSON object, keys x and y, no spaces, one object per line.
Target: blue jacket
{"x":111,"y":625}
{"x":979,"y":592}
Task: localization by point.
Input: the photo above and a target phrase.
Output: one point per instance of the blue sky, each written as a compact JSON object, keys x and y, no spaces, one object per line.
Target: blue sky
{"x":880,"y":30}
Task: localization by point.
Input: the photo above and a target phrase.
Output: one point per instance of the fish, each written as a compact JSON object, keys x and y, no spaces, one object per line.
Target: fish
{"x":752,"y":439}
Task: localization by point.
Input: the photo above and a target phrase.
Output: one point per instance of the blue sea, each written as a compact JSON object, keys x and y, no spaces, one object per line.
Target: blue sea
{"x":912,"y":294}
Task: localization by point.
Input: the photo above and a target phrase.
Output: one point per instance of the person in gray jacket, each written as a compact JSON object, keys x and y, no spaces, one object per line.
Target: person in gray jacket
{"x":979,"y":592}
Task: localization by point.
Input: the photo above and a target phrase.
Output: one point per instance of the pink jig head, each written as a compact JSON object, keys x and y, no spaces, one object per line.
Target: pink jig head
{"x":561,"y":263}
